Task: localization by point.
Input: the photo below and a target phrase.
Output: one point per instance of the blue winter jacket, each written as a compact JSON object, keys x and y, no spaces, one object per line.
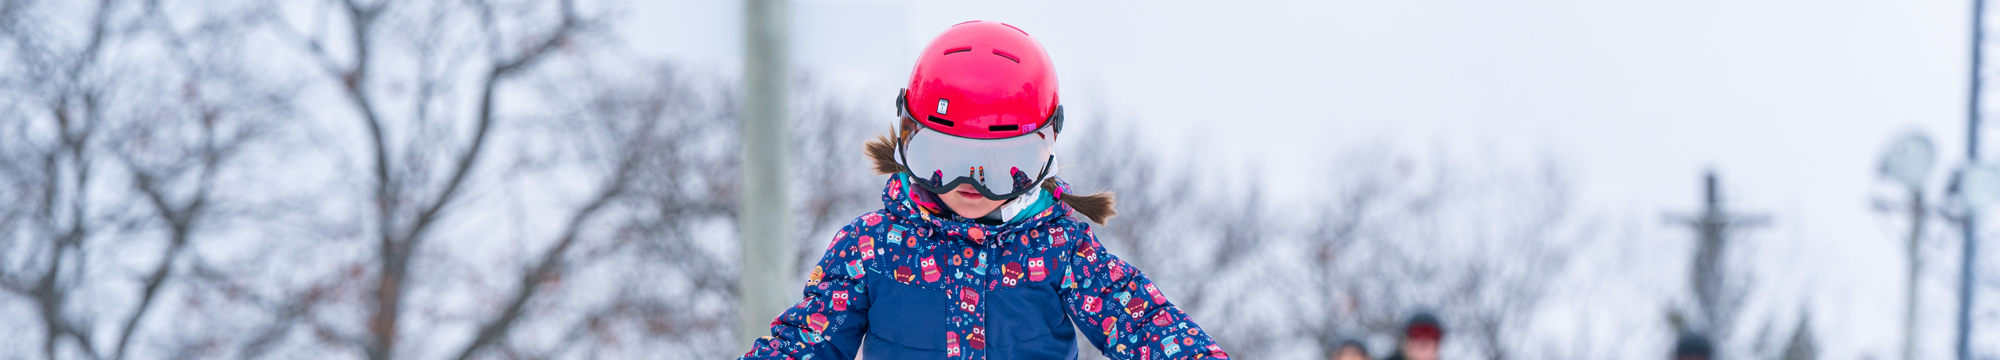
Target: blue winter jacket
{"x":913,"y":282}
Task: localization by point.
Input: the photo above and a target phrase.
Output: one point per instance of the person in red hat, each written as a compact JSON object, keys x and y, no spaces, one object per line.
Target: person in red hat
{"x":979,"y":251}
{"x":1422,"y":337}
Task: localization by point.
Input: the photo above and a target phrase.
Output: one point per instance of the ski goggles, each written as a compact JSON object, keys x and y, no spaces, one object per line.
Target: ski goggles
{"x":999,"y":169}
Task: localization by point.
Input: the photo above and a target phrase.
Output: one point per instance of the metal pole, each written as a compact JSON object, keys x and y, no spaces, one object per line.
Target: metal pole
{"x":763,"y":217}
{"x":1972,"y":157}
{"x":1910,"y":304}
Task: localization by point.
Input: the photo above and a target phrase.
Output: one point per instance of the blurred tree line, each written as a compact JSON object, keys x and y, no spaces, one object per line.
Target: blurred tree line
{"x":502,"y":179}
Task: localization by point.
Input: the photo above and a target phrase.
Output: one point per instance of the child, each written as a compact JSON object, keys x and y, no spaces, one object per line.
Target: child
{"x":961,"y":265}
{"x":1350,"y":349}
{"x":1422,"y":336}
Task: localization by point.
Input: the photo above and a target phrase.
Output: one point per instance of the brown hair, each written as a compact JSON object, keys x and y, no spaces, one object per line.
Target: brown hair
{"x":882,"y":150}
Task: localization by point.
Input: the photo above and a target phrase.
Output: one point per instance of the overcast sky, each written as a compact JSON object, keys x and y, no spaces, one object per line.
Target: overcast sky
{"x":1790,"y":101}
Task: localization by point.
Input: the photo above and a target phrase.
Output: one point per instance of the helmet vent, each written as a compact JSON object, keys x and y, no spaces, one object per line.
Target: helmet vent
{"x":941,"y":121}
{"x":1006,"y":55}
{"x":958,"y":50}
{"x":1023,"y":32}
{"x":1003,"y":128}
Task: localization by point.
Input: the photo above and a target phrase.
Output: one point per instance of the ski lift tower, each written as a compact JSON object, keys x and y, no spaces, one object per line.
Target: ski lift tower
{"x":1713,"y":227}
{"x":1972,"y":157}
{"x":1908,"y":163}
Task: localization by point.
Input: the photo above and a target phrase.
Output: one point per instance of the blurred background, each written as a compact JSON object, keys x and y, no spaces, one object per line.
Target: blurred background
{"x":1554,"y":179}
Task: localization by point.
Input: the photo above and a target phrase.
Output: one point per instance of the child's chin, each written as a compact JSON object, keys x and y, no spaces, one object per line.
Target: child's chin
{"x":966,"y":214}
{"x":970,"y":215}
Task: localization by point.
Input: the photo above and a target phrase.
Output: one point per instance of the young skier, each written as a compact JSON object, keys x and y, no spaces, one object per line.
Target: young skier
{"x":975,"y":254}
{"x":1350,"y":349}
{"x":1422,"y":336}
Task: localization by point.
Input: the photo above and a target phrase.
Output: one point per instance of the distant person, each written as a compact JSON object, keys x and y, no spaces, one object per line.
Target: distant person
{"x":979,"y":251}
{"x":1351,"y":349}
{"x":1693,"y":347}
{"x":1422,"y":337}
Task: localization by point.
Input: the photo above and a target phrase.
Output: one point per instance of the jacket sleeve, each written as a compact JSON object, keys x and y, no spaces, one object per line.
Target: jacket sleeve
{"x":1122,"y":313}
{"x":829,"y":322}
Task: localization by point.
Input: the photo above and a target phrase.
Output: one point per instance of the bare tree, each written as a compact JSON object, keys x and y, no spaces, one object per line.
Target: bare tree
{"x":1197,"y":234}
{"x":1500,"y":289}
{"x":1478,"y":246}
{"x":424,"y":149}
{"x":50,"y":162}
{"x":657,"y":144}
{"x":833,"y":180}
{"x":122,"y":159}
{"x":1150,"y":198}
{"x":660,"y":182}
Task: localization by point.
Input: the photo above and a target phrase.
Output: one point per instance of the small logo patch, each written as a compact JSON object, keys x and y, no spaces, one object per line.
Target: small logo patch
{"x":942,"y":104}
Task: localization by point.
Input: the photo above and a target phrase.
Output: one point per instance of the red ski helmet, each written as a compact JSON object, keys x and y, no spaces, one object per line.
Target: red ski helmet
{"x":985,"y":95}
{"x":983,"y":80}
